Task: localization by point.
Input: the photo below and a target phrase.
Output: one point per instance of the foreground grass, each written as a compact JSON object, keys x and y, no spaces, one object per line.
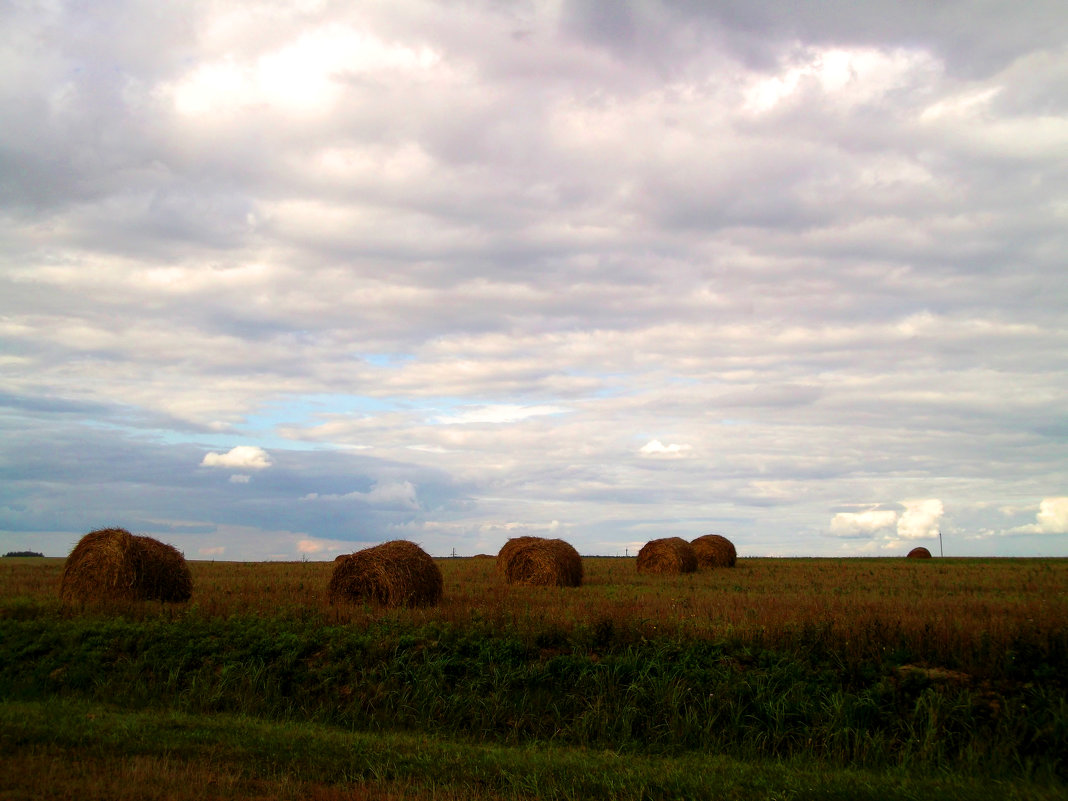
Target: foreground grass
{"x":74,"y":749}
{"x":593,"y":688}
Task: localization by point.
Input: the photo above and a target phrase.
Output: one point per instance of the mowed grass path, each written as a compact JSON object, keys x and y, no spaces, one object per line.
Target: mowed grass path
{"x":781,"y":678}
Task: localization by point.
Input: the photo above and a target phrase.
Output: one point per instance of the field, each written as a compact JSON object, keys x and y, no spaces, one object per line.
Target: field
{"x":780,"y":678}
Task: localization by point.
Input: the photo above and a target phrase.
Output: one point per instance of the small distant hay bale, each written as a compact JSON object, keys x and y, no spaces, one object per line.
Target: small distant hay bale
{"x":714,"y":550}
{"x":395,"y":573}
{"x":113,"y":564}
{"x":540,"y":562}
{"x":919,"y":553}
{"x":667,"y":556}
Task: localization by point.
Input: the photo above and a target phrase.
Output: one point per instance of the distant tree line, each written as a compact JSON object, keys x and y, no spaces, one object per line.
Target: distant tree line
{"x":22,"y":553}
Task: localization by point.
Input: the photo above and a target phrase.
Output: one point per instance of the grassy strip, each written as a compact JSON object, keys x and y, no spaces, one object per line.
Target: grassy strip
{"x":236,"y":757}
{"x":653,"y":697}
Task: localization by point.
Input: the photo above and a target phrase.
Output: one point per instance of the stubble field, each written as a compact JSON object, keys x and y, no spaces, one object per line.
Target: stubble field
{"x":791,"y":678}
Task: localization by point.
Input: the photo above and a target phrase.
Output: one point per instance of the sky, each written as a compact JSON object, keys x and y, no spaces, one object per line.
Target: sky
{"x":282,"y":280}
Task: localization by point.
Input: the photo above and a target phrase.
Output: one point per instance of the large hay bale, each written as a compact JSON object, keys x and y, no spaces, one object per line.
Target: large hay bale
{"x":714,"y":550}
{"x":668,"y":555}
{"x":395,"y":573}
{"x":504,"y":555}
{"x":113,"y":564}
{"x":540,"y":562}
{"x":919,"y":553}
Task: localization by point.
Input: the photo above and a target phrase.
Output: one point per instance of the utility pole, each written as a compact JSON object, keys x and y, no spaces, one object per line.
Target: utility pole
{"x":940,"y":551}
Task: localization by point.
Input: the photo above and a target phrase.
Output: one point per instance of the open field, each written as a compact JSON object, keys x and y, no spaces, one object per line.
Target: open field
{"x":787,"y":678}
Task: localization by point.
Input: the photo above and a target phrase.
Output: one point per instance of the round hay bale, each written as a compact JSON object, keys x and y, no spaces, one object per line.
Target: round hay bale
{"x":714,"y":550}
{"x":504,"y":555}
{"x":113,"y":564}
{"x":540,"y":562}
{"x":919,"y":553}
{"x":395,"y":573}
{"x":668,"y":555}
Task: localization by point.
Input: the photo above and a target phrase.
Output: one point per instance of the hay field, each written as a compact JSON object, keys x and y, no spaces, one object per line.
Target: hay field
{"x":931,"y":671}
{"x":948,"y":604}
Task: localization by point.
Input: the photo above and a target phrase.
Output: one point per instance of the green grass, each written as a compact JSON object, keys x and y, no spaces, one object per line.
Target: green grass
{"x":278,"y":760}
{"x":589,"y":688}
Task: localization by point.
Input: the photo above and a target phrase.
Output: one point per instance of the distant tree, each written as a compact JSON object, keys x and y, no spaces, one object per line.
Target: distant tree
{"x":22,"y":553}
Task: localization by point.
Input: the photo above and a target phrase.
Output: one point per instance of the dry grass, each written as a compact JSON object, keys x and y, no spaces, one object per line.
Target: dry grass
{"x":671,"y":555}
{"x":540,"y":562}
{"x":74,"y":773}
{"x":113,"y":564}
{"x":714,"y":550}
{"x":919,"y":553}
{"x":396,"y":573}
{"x":952,"y":602}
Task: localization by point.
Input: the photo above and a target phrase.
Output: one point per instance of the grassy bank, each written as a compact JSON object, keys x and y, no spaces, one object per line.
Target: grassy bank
{"x":590,"y":688}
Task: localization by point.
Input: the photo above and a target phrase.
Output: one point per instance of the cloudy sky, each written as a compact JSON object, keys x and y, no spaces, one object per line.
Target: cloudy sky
{"x":280,"y":280}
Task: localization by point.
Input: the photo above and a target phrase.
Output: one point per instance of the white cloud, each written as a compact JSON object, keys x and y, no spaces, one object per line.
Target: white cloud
{"x":313,"y":545}
{"x":862,"y":524}
{"x":921,"y":519}
{"x":240,"y":479}
{"x":848,"y":76}
{"x":396,"y":492}
{"x":503,"y":413}
{"x":305,"y":74}
{"x":656,"y":448}
{"x":969,"y":104}
{"x":217,"y":550}
{"x":516,"y":528}
{"x":389,"y":494}
{"x":245,"y":457}
{"x":1052,"y":518}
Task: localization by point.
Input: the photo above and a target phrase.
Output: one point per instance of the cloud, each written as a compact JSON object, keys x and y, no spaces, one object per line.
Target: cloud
{"x":315,"y":546}
{"x":502,"y":413}
{"x":656,"y":448}
{"x":395,"y":494}
{"x":485,"y":247}
{"x":1052,"y":518}
{"x":246,"y":457}
{"x":862,"y":524}
{"x":921,"y":519}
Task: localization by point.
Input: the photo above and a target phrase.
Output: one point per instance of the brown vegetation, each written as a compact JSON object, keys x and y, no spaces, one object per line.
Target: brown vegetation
{"x":668,"y":555}
{"x":714,"y":550}
{"x":540,"y":562}
{"x":919,"y":553}
{"x":396,"y":573}
{"x":113,"y":564}
{"x":957,"y":603}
